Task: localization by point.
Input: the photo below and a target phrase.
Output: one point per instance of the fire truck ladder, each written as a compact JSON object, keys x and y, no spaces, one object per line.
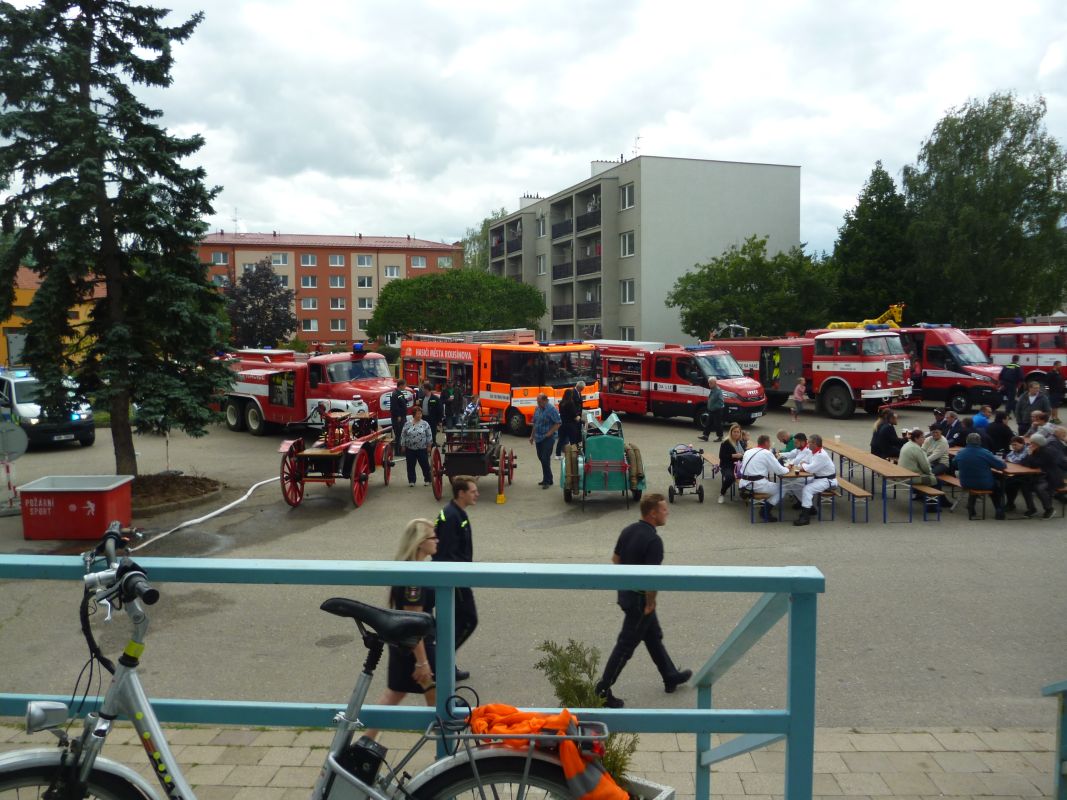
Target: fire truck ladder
{"x":502,"y":336}
{"x":892,"y":317}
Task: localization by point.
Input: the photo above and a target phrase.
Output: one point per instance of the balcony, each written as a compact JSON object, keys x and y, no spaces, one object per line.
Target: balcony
{"x":563,"y":312}
{"x":564,"y":228}
{"x":588,"y":266}
{"x":514,"y":244}
{"x":496,"y":251}
{"x":589,"y":220}
{"x":564,"y":269}
{"x":588,"y":310}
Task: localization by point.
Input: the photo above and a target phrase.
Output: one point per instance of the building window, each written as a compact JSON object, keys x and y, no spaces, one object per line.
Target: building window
{"x":365,"y":302}
{"x":308,"y":259}
{"x":309,"y":303}
{"x":418,"y":262}
{"x":337,"y":304}
{"x":220,"y":280}
{"x":337,"y":281}
{"x":337,"y":325}
{"x":279,"y":259}
{"x":337,"y":260}
{"x":309,"y":325}
{"x":541,"y":225}
{"x":364,"y":282}
{"x":247,"y":267}
{"x":309,"y":282}
{"x":444,"y":262}
{"x":393,"y":339}
{"x":626,"y":333}
{"x":283,"y":280}
{"x":363,"y":323}
{"x":626,"y":196}
{"x":626,"y":244}
{"x":626,"y":291}
{"x":364,"y":261}
{"x":392,"y":272}
{"x":220,"y":259}
{"x":541,"y":265}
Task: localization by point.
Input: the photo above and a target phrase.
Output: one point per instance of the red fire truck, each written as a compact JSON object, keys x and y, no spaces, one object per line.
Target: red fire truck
{"x":668,"y":380}
{"x":1035,"y":348}
{"x":843,"y":368}
{"x":949,"y":367}
{"x":282,"y":386}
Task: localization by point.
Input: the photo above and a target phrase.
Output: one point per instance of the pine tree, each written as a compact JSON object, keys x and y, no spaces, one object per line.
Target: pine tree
{"x":99,"y":202}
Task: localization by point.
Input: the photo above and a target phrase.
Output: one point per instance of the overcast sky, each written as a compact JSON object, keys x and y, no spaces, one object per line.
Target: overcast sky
{"x":416,"y":117}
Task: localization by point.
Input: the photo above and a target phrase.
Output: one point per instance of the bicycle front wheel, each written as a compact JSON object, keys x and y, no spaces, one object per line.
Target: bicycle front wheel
{"x":32,"y":783}
{"x":499,"y":778}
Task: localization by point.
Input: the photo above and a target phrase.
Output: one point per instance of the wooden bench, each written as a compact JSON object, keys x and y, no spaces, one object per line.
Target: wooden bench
{"x":856,"y":493}
{"x":928,"y":493}
{"x":954,"y":482}
{"x":753,"y":499}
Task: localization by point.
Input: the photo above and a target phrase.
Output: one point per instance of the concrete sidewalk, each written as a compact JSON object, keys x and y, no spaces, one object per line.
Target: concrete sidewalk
{"x":229,"y":763}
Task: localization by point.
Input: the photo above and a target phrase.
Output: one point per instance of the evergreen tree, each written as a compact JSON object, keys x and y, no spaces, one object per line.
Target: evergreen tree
{"x":100,"y":204}
{"x":260,"y":308}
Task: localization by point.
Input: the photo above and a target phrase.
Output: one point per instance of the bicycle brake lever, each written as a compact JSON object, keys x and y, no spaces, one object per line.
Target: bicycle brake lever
{"x":103,"y":601}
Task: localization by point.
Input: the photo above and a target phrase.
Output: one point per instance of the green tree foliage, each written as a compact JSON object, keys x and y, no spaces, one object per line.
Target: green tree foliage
{"x":988,"y":198}
{"x":100,"y":203}
{"x":464,"y":299}
{"x":745,"y":286}
{"x":873,"y":258}
{"x":476,"y":242}
{"x":260,"y":308}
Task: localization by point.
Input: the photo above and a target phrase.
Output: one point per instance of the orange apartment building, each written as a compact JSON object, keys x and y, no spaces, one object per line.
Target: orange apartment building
{"x":336,"y":279}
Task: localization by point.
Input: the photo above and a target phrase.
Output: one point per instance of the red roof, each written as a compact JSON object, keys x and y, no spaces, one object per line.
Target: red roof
{"x":288,"y":240}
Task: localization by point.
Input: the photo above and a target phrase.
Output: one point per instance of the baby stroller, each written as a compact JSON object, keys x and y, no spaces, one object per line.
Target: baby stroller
{"x":687,"y":468}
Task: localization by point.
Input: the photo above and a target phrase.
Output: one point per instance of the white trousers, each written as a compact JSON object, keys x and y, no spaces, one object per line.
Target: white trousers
{"x":763,"y":486}
{"x":812,"y":488}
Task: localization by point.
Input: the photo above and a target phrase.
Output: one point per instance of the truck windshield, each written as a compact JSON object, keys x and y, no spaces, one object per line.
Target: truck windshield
{"x":721,"y":365}
{"x":968,"y":354}
{"x":883,"y":345}
{"x":343,"y":371}
{"x":27,"y":391}
{"x":567,"y":368}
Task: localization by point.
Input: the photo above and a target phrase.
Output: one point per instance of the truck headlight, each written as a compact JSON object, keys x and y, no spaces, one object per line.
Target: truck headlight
{"x":731,"y":396}
{"x":33,"y":420}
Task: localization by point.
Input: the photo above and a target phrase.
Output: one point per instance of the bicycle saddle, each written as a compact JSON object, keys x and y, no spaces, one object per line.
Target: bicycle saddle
{"x":401,"y":628}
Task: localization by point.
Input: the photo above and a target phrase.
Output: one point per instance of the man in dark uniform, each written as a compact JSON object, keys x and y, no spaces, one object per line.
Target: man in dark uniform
{"x":398,"y":408}
{"x":454,"y":543}
{"x":639,"y":543}
{"x":1011,"y":375}
{"x":431,"y":407}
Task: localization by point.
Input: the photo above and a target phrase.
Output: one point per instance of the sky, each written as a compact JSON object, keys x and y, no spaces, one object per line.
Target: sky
{"x":423,"y":117}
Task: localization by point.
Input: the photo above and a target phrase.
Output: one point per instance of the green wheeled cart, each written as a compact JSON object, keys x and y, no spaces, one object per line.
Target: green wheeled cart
{"x":602,"y":462}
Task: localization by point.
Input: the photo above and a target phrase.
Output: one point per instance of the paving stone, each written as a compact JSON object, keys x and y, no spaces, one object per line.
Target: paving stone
{"x":260,"y":793}
{"x":832,"y":741}
{"x":767,"y":761}
{"x":646,"y":761}
{"x":1009,"y":785}
{"x":1044,"y":762}
{"x":287,"y":777}
{"x":923,"y":742}
{"x":314,"y":739}
{"x":958,"y":783}
{"x":829,"y":762}
{"x":316,"y":758}
{"x":1004,"y":740}
{"x":234,"y":754}
{"x":681,"y":783}
{"x":741,"y":763}
{"x":961,"y":742}
{"x":876,"y":742}
{"x":759,"y":783}
{"x":867,"y":762}
{"x":726,"y":783}
{"x":913,"y":762}
{"x":1009,"y":762}
{"x":216,"y":792}
{"x":251,"y":776}
{"x":202,"y":753}
{"x":192,"y":735}
{"x":675,"y":761}
{"x":862,"y":783}
{"x":235,"y":736}
{"x":276,"y":738}
{"x":960,"y":762}
{"x":825,"y":784}
{"x":664,"y":742}
{"x":909,"y":783}
{"x":285,"y":756}
{"x":1039,"y":740}
{"x":208,"y":774}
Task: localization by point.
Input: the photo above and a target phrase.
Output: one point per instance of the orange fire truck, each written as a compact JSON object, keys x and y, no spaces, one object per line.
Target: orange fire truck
{"x":282,"y":386}
{"x":668,"y":380}
{"x":843,"y":368}
{"x":505,"y":370}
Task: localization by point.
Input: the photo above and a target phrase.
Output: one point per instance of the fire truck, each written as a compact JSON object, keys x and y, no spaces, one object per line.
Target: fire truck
{"x":504,"y":369}
{"x":948,"y":367}
{"x":668,"y":380}
{"x":282,"y":386}
{"x":843,"y":368}
{"x":1035,"y":348}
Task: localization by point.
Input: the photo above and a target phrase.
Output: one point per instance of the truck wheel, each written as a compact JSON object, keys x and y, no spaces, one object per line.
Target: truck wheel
{"x":516,"y":423}
{"x":959,"y":403}
{"x":235,"y":417}
{"x":88,"y":439}
{"x":701,"y":419}
{"x":872,"y":406}
{"x":254,"y":420}
{"x":837,"y":402}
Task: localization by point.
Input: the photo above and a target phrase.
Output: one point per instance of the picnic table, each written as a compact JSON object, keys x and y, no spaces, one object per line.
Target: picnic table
{"x":890,"y":473}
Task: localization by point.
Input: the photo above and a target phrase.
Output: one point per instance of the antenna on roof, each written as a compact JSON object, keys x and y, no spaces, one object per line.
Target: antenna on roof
{"x":234,"y":219}
{"x":637,"y":146}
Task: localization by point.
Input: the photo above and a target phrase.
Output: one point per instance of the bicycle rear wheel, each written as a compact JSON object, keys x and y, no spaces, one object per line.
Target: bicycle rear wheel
{"x":501,"y":778}
{"x":32,"y":783}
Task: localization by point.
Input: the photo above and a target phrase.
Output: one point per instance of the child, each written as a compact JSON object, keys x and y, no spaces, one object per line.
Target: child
{"x":798,"y":397}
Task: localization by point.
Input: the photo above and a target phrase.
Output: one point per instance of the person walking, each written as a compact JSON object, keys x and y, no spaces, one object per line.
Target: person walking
{"x":455,"y":543}
{"x":716,"y":408}
{"x":1011,"y":375}
{"x":570,"y":415}
{"x":432,"y":411}
{"x":398,"y":407}
{"x":416,"y":439}
{"x":640,"y":544}
{"x":546,"y":422}
{"x":800,"y":394}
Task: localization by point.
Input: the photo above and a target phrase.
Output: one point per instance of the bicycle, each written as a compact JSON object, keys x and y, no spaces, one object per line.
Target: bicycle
{"x":476,"y":765}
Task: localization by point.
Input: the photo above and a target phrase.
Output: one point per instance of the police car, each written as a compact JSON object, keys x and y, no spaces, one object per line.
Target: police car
{"x":19,"y":393}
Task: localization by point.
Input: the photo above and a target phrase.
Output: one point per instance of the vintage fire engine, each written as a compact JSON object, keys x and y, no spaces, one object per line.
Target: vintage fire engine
{"x":284,"y":387}
{"x":949,"y":367}
{"x":668,"y":380}
{"x":843,"y":368}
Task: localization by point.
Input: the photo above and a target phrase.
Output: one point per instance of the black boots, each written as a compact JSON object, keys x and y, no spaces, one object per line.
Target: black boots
{"x":768,"y":513}
{"x":676,"y":680}
{"x":610,"y":700}
{"x":804,"y":518}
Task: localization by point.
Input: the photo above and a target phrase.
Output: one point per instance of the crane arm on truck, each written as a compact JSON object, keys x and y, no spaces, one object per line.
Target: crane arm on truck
{"x":893,"y":317}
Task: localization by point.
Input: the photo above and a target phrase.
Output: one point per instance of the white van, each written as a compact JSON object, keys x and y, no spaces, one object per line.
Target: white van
{"x":19,"y":403}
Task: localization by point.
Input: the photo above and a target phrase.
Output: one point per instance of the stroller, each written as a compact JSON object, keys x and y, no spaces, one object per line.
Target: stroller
{"x":687,"y":468}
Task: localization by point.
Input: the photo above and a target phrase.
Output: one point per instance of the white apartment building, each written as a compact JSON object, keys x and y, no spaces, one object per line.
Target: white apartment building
{"x":605,"y":252}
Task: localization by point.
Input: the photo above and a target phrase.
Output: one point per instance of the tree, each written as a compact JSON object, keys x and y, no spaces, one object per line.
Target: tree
{"x":100,"y":204}
{"x":873,"y":257}
{"x":476,"y":242}
{"x":744,"y":286}
{"x":988,"y":198}
{"x":457,"y":300}
{"x":260,"y":308}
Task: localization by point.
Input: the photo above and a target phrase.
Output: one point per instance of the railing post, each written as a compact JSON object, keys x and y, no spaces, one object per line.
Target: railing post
{"x":702,"y":774}
{"x":445,"y":668}
{"x":800,"y":743}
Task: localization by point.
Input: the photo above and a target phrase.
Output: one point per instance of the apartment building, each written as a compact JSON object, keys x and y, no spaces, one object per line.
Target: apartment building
{"x":605,"y":252}
{"x":336,"y":279}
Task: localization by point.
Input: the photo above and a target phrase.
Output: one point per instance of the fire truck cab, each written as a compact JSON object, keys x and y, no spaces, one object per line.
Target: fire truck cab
{"x":1035,"y":348}
{"x":668,"y":380}
{"x":949,"y":367}
{"x":282,"y":386}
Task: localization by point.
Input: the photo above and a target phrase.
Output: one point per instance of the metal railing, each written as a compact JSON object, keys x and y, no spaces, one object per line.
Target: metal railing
{"x":565,"y":311}
{"x":496,"y":251}
{"x":587,"y":266}
{"x":590,"y":219}
{"x":588,"y":310}
{"x":514,"y":244}
{"x":785,"y":591}
{"x":564,"y":269}
{"x":1059,"y":691}
{"x":562,"y":228}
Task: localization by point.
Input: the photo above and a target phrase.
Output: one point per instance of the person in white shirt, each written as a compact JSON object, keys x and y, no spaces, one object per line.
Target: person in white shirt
{"x":793,"y":487}
{"x":758,"y":466}
{"x":821,"y":466}
{"x":800,"y":452}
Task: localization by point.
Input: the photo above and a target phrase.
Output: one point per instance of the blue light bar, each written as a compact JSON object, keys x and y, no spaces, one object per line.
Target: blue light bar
{"x":357,"y":347}
{"x":693,"y":348}
{"x":934,"y":325}
{"x":879,"y":327}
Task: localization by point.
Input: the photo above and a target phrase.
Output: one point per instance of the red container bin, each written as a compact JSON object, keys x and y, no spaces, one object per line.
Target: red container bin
{"x":74,"y":506}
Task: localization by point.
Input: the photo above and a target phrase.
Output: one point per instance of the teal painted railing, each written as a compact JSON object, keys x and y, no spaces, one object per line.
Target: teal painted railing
{"x":1059,"y":691}
{"x":783,"y":591}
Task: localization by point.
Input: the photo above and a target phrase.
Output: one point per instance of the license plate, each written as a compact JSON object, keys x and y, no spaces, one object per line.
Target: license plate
{"x":757,"y":414}
{"x":63,"y":437}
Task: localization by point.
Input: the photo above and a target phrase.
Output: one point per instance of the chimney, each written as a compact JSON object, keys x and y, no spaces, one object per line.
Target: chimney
{"x":409,"y":237}
{"x":361,"y":237}
{"x":274,"y":233}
